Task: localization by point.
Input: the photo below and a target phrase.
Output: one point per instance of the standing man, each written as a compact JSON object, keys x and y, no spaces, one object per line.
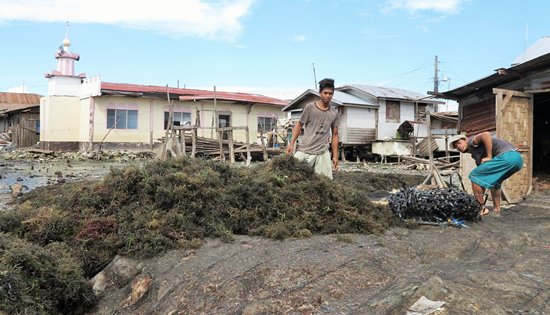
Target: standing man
{"x":318,"y":119}
{"x":496,"y":160}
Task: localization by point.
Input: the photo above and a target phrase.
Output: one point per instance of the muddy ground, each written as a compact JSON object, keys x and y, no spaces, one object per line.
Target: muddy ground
{"x":498,"y":266}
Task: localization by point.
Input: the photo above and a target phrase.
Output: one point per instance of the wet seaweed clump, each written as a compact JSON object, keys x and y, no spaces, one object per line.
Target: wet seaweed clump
{"x":41,"y":280}
{"x":434,"y":205}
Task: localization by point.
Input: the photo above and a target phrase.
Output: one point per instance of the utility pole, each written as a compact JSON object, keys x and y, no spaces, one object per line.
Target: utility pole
{"x":436,"y":79}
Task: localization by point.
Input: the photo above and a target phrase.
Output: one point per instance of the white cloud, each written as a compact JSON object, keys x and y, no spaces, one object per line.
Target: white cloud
{"x":18,"y":89}
{"x":445,"y":6}
{"x":219,"y":19}
{"x":299,"y":38}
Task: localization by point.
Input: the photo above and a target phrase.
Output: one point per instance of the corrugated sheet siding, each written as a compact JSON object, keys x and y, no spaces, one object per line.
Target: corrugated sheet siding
{"x":479,"y":117}
{"x":360,"y":135}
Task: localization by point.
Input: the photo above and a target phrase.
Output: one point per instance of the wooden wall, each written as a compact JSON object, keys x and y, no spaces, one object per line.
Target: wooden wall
{"x":23,"y":126}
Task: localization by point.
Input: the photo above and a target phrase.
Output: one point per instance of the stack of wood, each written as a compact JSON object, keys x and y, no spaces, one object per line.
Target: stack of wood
{"x":211,"y":147}
{"x":441,"y":163}
{"x":185,"y":141}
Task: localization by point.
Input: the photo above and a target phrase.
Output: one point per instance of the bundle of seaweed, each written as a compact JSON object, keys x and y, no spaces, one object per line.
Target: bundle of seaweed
{"x":434,"y":205}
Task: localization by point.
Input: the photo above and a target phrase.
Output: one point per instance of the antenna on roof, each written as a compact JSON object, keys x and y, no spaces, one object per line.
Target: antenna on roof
{"x":67,"y":30}
{"x":526,"y":39}
{"x":314,"y":76}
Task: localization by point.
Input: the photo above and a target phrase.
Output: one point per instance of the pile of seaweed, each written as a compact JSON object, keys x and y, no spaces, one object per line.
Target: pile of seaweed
{"x":434,"y":205}
{"x":143,"y":211}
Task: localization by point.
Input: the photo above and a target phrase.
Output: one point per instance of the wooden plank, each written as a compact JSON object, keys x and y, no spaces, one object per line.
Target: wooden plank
{"x":40,"y":151}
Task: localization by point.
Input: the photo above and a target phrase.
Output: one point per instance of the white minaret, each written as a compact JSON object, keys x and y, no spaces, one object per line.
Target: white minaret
{"x":62,"y":81}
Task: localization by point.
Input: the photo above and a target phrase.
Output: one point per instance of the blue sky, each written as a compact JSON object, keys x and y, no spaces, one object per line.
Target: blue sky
{"x":268,"y":46}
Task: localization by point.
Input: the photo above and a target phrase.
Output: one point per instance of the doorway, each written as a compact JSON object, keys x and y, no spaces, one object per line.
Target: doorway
{"x":541,"y":134}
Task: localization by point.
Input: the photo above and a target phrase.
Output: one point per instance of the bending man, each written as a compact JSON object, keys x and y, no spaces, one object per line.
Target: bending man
{"x":496,"y":160}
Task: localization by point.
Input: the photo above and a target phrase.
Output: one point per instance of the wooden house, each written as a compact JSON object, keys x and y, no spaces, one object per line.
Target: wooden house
{"x":20,"y":118}
{"x":371,"y":113}
{"x":514,"y":104}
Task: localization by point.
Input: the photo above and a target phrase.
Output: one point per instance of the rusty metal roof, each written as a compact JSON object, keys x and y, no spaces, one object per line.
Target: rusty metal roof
{"x":17,"y":101}
{"x":500,"y":77}
{"x":137,"y":90}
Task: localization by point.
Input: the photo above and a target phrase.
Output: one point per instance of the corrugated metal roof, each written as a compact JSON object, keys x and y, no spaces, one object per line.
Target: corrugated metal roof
{"x":190,"y":94}
{"x":385,"y":92}
{"x":539,"y":48}
{"x":346,"y":98}
{"x":339,"y":98}
{"x":16,"y":101}
{"x":501,"y":77}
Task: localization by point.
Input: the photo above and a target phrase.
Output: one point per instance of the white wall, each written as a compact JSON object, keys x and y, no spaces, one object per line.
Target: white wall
{"x":387,"y":130}
{"x":357,"y":117}
{"x":64,"y":86}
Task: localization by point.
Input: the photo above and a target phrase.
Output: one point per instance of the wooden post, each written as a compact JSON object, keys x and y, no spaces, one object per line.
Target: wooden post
{"x":182,"y":139}
{"x":248,"y":155}
{"x":169,"y":127}
{"x":193,"y":142}
{"x":215,"y":117}
{"x":264,"y":149}
{"x":231,"y":147}
{"x":220,"y":140}
{"x":447,"y":146}
{"x":430,"y":152}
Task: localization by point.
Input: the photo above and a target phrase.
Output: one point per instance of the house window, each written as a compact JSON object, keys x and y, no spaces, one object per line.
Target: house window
{"x":180,"y":119}
{"x":393,"y":112}
{"x":266,"y":124}
{"x":122,"y":119}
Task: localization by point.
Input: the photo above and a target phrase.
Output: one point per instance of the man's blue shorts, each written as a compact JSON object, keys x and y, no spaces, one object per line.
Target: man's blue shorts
{"x":492,"y":173}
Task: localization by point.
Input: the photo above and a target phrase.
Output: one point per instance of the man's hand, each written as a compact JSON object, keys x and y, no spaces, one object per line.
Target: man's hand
{"x":485,"y":159}
{"x":335,"y":164}
{"x":289,"y":149}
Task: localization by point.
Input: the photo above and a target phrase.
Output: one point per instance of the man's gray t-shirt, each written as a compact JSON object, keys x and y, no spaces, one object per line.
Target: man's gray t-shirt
{"x":317,"y":125}
{"x":479,"y":152}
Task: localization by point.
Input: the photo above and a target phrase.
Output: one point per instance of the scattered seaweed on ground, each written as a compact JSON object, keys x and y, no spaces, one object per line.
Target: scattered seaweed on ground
{"x":375,"y":182}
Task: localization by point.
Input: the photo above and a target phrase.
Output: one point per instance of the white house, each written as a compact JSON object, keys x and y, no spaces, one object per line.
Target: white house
{"x":371,"y":113}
